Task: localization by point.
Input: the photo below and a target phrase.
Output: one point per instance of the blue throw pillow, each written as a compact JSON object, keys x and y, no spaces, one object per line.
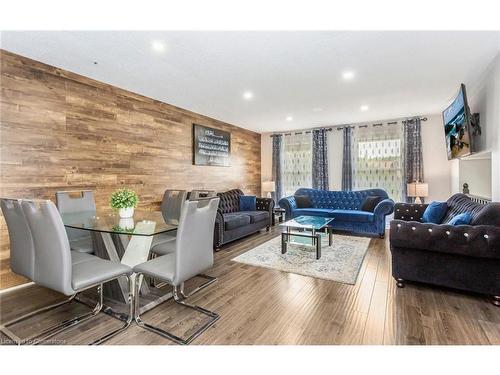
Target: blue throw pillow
{"x":461,"y":219}
{"x":434,"y":213}
{"x":248,"y":203}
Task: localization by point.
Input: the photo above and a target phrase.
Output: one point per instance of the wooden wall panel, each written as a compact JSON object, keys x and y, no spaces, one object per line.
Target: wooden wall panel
{"x":62,"y":131}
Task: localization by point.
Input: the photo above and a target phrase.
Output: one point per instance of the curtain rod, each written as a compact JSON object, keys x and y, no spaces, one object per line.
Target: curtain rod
{"x":340,"y":127}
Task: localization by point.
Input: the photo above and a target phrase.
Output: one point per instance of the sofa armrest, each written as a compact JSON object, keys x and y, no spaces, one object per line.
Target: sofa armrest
{"x":266,"y":204}
{"x":383,"y":208}
{"x":481,"y":241}
{"x":409,"y":211}
{"x":218,"y":229}
{"x":289,"y":205}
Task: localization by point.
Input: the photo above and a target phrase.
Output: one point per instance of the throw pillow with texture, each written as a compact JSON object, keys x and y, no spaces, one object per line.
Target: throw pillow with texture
{"x":248,"y":203}
{"x":303,"y":201}
{"x":370,"y":202}
{"x":435,"y":212}
{"x":461,"y":219}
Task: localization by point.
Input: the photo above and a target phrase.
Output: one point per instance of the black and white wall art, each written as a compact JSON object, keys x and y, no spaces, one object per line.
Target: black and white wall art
{"x":211,"y":146}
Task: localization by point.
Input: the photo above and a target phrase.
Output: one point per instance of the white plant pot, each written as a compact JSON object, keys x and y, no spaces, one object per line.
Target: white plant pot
{"x":126,"y":223}
{"x":125,"y":213}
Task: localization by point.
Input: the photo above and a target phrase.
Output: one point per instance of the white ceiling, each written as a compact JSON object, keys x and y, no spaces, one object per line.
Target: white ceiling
{"x":397,"y":74}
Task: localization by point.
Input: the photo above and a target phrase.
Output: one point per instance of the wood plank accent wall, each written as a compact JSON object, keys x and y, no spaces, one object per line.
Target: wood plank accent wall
{"x":63,"y":131}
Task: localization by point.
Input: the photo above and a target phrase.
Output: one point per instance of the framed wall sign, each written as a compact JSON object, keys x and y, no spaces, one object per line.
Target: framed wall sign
{"x":211,"y":146}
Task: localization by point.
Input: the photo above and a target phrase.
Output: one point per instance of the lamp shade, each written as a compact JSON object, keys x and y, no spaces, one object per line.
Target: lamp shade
{"x":417,"y":189}
{"x":268,"y":186}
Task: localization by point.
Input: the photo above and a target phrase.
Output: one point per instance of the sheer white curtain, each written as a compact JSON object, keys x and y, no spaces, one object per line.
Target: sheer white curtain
{"x":378,"y":158}
{"x":297,"y":162}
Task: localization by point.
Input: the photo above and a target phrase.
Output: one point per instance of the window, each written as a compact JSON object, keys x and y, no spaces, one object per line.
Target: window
{"x":297,"y":162}
{"x":378,"y":159}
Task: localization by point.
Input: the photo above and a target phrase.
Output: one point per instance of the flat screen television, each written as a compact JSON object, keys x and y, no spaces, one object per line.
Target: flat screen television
{"x":457,"y":127}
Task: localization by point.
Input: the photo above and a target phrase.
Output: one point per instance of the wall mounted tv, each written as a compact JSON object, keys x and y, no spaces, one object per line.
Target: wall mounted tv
{"x":457,"y":127}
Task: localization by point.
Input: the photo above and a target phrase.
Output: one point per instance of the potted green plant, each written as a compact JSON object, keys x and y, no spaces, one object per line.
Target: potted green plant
{"x":124,"y":200}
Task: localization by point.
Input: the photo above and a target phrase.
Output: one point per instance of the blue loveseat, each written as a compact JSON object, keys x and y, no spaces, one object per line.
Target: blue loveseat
{"x":344,"y":207}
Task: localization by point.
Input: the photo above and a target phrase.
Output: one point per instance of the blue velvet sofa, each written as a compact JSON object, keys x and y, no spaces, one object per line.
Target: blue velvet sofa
{"x":344,"y":207}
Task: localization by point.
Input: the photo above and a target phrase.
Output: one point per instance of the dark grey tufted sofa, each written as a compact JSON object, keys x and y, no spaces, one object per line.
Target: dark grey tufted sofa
{"x":465,"y":257}
{"x":231,"y":223}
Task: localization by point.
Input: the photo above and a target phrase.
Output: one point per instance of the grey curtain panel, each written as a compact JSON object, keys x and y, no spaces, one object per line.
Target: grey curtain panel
{"x":276,"y":167}
{"x":319,"y":159}
{"x":413,"y":162}
{"x":347,"y":159}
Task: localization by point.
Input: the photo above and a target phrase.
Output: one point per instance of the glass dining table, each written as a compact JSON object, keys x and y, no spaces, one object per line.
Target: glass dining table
{"x":123,"y":240}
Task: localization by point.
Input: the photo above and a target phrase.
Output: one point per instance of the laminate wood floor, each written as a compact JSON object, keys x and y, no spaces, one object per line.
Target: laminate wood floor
{"x":263,"y":306}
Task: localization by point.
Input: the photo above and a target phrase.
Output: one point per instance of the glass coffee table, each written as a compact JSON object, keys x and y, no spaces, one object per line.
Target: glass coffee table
{"x":307,"y":227}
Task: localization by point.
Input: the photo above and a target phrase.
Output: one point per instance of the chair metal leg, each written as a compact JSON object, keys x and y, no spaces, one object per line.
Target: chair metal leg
{"x":67,"y":324}
{"x":210,"y":281}
{"x":47,"y":333}
{"x":129,"y":318}
{"x":6,"y":331}
{"x":180,"y":300}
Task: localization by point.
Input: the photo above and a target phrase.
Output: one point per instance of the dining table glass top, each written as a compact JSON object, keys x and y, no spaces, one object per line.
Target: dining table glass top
{"x":143,"y":223}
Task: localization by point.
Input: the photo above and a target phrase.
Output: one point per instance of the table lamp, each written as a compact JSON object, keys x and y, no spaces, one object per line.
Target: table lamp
{"x":418,"y":190}
{"x":269,"y":187}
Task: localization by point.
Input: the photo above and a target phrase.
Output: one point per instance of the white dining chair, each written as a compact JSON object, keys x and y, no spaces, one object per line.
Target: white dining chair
{"x":77,"y":201}
{"x":192,"y":256}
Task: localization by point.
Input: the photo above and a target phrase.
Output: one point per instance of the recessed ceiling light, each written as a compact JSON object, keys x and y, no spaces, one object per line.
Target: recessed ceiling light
{"x":248,"y":95}
{"x":348,"y":75}
{"x":289,"y":118}
{"x":364,"y":108}
{"x":158,"y":46}
{"x":317,"y":109}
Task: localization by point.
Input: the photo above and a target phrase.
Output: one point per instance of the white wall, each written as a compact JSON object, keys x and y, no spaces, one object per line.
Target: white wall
{"x":484,"y":97}
{"x":437,"y":168}
{"x":477,"y":174}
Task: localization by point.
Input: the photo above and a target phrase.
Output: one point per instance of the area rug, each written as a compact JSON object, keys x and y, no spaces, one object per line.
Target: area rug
{"x":340,"y":262}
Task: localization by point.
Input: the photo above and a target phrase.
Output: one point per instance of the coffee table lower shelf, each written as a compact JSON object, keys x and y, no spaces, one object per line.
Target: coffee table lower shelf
{"x":313,"y":235}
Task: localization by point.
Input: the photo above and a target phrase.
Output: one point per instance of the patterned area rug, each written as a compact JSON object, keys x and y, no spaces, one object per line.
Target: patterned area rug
{"x":340,"y":262}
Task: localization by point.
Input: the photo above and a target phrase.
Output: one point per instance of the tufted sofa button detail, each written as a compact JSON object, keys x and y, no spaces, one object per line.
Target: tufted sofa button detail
{"x":447,"y":232}
{"x":413,"y":228}
{"x":486,"y":236}
{"x":466,"y":234}
{"x":430,"y":230}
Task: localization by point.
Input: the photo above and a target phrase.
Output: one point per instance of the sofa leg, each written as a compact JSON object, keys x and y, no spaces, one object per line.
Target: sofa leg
{"x":496,"y":300}
{"x":217,"y":248}
{"x":267,"y":229}
{"x":400,"y":283}
{"x":381,"y":235}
